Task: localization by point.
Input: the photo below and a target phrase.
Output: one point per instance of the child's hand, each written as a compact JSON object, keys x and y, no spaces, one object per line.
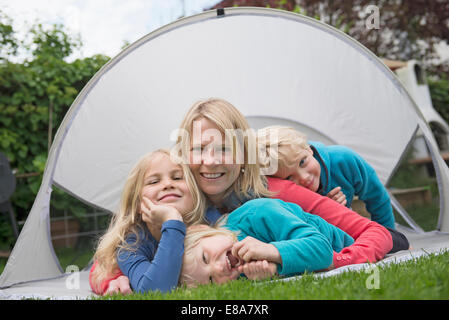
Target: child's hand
{"x":119,"y":285}
{"x":156,"y":214}
{"x":337,"y":195}
{"x":258,"y":270}
{"x":252,"y":249}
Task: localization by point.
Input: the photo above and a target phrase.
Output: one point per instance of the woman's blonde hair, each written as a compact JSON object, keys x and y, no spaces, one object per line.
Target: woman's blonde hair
{"x":289,"y":143}
{"x":227,"y":117}
{"x":194,"y":235}
{"x":127,"y":220}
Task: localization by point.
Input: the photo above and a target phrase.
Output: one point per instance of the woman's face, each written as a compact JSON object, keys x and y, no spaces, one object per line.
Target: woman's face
{"x":211,"y":160}
{"x":164,"y":184}
{"x":214,"y":262}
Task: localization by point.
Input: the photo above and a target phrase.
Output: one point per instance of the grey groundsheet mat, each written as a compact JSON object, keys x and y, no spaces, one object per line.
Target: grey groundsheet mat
{"x":76,"y":285}
{"x":66,"y":287}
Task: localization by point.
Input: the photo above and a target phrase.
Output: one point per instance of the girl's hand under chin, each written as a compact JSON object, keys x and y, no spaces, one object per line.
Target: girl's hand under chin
{"x":155,"y":214}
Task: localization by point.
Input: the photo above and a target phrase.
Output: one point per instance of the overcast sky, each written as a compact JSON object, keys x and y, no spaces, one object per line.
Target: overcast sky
{"x":104,"y":25}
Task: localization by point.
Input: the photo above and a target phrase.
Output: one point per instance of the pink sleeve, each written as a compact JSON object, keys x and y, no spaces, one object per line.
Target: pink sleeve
{"x":371,"y":240}
{"x":101,"y":288}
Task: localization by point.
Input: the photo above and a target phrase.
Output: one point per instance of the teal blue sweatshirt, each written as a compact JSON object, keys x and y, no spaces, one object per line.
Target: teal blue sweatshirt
{"x":305,"y":241}
{"x":342,"y":167}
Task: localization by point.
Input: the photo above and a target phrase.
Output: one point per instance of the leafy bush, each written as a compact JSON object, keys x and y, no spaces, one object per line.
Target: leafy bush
{"x":439,"y":91}
{"x":34,"y":97}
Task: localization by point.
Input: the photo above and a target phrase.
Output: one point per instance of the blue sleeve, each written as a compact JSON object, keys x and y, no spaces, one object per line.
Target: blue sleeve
{"x":301,"y":246}
{"x":152,"y":268}
{"x":369,"y":189}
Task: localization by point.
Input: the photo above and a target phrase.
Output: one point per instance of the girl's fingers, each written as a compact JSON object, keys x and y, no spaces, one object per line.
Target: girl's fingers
{"x":148,"y":203}
{"x":123,"y":285}
{"x":255,"y":270}
{"x":237,"y":248}
{"x":248,"y":269}
{"x":112,"y":289}
{"x":334,"y":192}
{"x":258,"y":267}
{"x":144,"y":207}
{"x":265,"y":265}
{"x":341,"y":198}
{"x":243,"y":253}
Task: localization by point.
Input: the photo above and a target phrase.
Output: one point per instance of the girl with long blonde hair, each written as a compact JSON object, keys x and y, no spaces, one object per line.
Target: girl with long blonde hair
{"x":169,"y":192}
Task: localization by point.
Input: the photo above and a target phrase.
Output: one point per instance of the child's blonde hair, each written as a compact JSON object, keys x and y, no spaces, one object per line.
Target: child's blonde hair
{"x":289,"y":143}
{"x":227,"y":117}
{"x":193,"y":236}
{"x":128,"y":218}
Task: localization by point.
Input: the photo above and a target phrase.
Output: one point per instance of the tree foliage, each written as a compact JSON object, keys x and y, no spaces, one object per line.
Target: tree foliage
{"x":439,"y":90}
{"x":34,"y":97}
{"x":8,"y":42}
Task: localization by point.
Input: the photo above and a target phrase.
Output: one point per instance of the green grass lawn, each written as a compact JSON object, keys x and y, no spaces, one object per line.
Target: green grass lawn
{"x":420,"y":279}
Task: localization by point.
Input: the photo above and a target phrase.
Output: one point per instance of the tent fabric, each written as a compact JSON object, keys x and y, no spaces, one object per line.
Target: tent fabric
{"x":141,"y":89}
{"x":273,"y":65}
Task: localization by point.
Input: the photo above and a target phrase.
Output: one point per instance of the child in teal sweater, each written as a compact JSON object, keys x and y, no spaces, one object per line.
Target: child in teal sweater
{"x":274,"y":237}
{"x":334,"y":171}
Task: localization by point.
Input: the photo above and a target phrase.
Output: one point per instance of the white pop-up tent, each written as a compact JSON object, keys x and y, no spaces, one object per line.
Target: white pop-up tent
{"x":276,"y":67}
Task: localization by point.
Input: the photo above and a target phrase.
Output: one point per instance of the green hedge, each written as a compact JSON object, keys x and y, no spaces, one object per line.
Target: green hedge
{"x":439,"y":91}
{"x":30,"y":91}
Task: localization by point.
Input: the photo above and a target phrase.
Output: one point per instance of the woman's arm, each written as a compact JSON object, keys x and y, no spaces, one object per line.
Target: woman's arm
{"x":372,"y":241}
{"x":150,"y":269}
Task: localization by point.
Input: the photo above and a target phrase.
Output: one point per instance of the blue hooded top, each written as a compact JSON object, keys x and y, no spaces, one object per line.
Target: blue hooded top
{"x":342,"y":167}
{"x":305,"y":241}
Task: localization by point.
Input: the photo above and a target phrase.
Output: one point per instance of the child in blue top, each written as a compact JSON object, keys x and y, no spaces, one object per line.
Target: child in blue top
{"x":274,"y":237}
{"x":334,"y":171}
{"x":148,"y":248}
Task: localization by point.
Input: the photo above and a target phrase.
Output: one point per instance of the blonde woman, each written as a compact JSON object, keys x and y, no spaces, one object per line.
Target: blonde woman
{"x":148,"y":248}
{"x":219,"y":146}
{"x":215,"y":140}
